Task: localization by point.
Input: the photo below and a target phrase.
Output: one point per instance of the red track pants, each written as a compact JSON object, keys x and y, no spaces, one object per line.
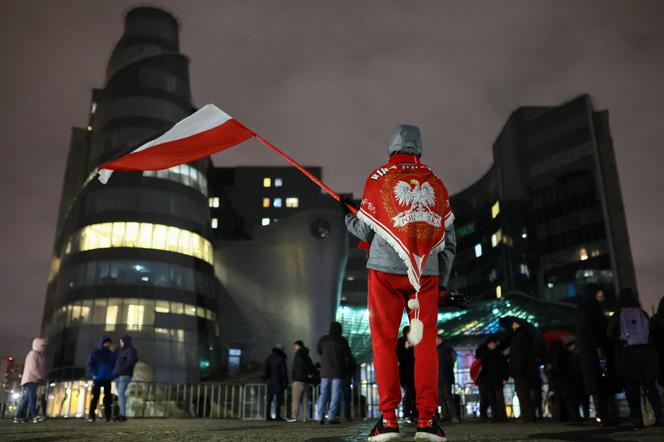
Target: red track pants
{"x":388,"y":295}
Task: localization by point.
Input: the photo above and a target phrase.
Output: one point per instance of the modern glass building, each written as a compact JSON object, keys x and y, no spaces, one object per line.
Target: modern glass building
{"x":547,"y":217}
{"x":135,"y":255}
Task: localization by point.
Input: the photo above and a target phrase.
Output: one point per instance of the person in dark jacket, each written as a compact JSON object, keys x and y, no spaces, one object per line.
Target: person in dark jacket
{"x":335,"y":356}
{"x":446,"y":359}
{"x":493,"y":376}
{"x":406,"y":359}
{"x":303,"y":372}
{"x":523,"y":368}
{"x":276,"y":375}
{"x":558,"y":367}
{"x":123,"y":372}
{"x":591,"y":343}
{"x":657,"y":333}
{"x":351,"y":370}
{"x":100,"y":365}
{"x":635,"y":356}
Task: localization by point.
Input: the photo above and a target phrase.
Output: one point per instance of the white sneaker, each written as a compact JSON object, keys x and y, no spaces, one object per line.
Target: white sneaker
{"x":38,"y":419}
{"x":291,"y":420}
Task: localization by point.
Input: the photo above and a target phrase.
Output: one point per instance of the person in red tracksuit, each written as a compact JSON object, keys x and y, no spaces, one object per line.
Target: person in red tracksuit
{"x":389,"y":291}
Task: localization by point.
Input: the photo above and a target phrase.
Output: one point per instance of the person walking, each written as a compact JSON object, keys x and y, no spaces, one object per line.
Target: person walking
{"x":33,"y":376}
{"x":100,"y":365}
{"x":406,"y":218}
{"x":523,"y":369}
{"x":635,"y":356}
{"x":335,"y":357}
{"x":447,"y":357}
{"x":657,"y":333}
{"x":303,"y":372}
{"x":406,"y":359}
{"x":591,"y":343}
{"x":123,"y":372}
{"x":493,"y":377}
{"x":276,"y":375}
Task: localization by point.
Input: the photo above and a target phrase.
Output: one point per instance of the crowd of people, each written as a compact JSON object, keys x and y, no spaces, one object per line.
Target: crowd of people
{"x":103,"y":366}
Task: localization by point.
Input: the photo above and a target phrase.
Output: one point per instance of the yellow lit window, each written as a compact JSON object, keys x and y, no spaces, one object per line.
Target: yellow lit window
{"x":131,"y":235}
{"x":214,"y":201}
{"x":583,"y":254}
{"x":495,"y":209}
{"x":111,"y":317}
{"x":159,"y":237}
{"x":172,"y":239}
{"x":266,"y":202}
{"x":135,"y":316}
{"x":292,"y":202}
{"x":145,"y":236}
{"x":162,"y":307}
{"x":185,"y":242}
{"x":267,"y":182}
{"x":496,"y":238}
{"x":177,"y":308}
{"x":499,"y":292}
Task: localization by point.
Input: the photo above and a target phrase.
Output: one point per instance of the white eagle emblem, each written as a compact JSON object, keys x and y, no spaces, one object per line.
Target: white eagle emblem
{"x":420,"y":197}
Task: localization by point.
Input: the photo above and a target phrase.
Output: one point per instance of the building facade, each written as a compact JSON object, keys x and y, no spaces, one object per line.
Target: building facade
{"x":547,"y":217}
{"x":135,"y":255}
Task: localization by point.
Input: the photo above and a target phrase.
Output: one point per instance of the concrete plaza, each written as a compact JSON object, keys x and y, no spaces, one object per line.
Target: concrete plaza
{"x":236,"y":430}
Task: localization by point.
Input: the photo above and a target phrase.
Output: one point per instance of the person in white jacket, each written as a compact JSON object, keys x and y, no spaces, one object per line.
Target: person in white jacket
{"x":33,"y":376}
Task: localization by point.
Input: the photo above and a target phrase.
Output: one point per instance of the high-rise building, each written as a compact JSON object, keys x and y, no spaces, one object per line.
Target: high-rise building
{"x":547,"y":217}
{"x":135,"y":255}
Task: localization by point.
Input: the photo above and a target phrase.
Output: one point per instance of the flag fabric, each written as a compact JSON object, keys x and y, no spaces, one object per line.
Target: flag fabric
{"x":203,"y":133}
{"x":408,"y":206}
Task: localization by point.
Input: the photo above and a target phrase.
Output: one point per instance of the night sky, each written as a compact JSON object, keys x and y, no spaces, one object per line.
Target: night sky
{"x":328,"y":82}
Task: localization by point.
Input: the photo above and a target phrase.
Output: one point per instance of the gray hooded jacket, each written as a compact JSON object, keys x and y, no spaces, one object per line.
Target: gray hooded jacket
{"x":382,"y":257}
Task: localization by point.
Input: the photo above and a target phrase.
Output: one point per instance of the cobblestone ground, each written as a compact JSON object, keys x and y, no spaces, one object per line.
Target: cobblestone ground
{"x":235,"y":430}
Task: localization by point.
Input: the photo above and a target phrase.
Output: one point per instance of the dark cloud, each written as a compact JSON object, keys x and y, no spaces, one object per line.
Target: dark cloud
{"x":327,"y":82}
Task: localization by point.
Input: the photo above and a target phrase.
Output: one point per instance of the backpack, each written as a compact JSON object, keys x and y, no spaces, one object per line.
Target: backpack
{"x":634,"y":327}
{"x":475,"y":369}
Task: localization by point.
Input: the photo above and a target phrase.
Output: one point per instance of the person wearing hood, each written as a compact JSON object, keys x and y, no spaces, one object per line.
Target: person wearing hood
{"x":335,"y":358}
{"x":592,"y":347}
{"x":523,"y":368}
{"x":303,"y":372}
{"x":33,"y":377}
{"x":635,"y":356}
{"x":657,"y":333}
{"x":100,"y":365}
{"x":276,"y":375}
{"x":123,"y":372}
{"x":415,"y":201}
{"x":493,"y":376}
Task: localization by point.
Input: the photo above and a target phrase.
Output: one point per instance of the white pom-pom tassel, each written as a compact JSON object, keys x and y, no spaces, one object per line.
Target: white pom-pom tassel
{"x":416,"y":331}
{"x":413,"y":304}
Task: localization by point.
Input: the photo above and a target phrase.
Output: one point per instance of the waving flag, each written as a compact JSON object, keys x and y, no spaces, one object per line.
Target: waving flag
{"x":206,"y":131}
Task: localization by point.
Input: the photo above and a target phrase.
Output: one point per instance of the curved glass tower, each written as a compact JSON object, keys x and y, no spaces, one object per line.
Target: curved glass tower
{"x":134,"y":256}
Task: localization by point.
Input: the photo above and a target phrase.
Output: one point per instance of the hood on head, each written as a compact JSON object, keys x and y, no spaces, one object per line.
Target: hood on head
{"x":335,"y":329}
{"x":406,"y":139}
{"x":278,"y":350}
{"x":589,"y":292}
{"x":303,"y":350}
{"x":37,"y":344}
{"x":627,"y":298}
{"x":104,"y":339}
{"x":127,"y":341}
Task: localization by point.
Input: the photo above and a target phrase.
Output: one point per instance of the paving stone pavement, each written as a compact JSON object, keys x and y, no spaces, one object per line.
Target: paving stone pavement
{"x":235,"y":430}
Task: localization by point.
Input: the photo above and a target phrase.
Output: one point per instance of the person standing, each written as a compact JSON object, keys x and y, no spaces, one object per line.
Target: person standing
{"x":303,"y":372}
{"x":100,"y":365}
{"x":591,"y":344}
{"x":276,"y":375}
{"x":406,"y":218}
{"x":123,"y":372}
{"x":335,"y":358}
{"x":635,"y":356}
{"x":406,"y":358}
{"x":657,"y":333}
{"x":447,"y":357}
{"x":523,"y":369}
{"x":493,"y":377}
{"x":33,"y":376}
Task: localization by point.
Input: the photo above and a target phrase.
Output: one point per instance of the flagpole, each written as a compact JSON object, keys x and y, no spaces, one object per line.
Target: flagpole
{"x":309,"y":175}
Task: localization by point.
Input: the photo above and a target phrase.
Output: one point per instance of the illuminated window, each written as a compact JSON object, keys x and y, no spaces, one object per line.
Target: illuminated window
{"x":93,"y":108}
{"x":111,"y":317}
{"x":277,"y":202}
{"x":292,"y":202}
{"x":266,"y":202}
{"x":162,"y":307}
{"x":141,"y":235}
{"x":478,"y":250}
{"x":278,"y":182}
{"x":267,"y":182}
{"x":499,"y":292}
{"x":495,"y":209}
{"x":183,"y":174}
{"x":135,"y":316}
{"x":214,"y":222}
{"x":496,"y":238}
{"x":583,"y":254}
{"x":214,"y":201}
{"x":265,"y":221}
{"x":524,"y":234}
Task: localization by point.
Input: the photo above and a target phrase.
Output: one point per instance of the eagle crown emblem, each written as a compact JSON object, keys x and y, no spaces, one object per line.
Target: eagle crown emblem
{"x":420,"y":198}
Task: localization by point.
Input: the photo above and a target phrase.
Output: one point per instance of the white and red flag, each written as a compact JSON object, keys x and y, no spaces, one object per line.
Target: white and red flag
{"x":203,"y":133}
